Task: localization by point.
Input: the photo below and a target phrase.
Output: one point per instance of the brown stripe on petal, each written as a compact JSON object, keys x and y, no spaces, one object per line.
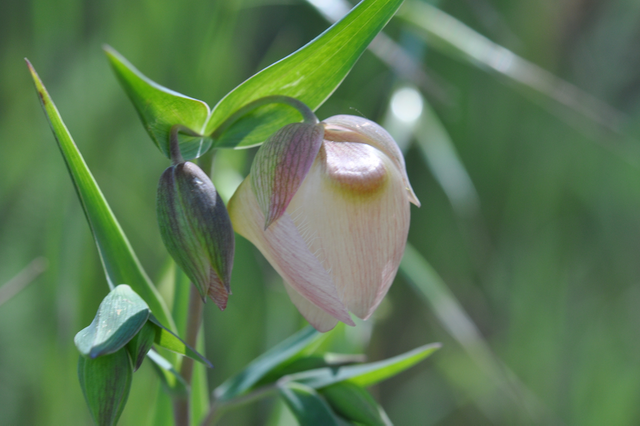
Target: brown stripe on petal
{"x":354,"y":167}
{"x":348,"y":128}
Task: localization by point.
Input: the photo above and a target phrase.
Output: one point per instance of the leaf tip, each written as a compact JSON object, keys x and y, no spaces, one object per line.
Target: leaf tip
{"x":42,"y":92}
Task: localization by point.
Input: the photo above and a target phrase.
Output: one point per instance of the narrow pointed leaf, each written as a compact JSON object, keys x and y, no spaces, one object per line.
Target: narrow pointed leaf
{"x":310,"y":75}
{"x":366,"y":374}
{"x":312,"y":362}
{"x":141,"y":343}
{"x":105,"y":383}
{"x":281,"y":165}
{"x":120,"y":317}
{"x":354,"y":403}
{"x":120,"y":262}
{"x":172,"y":382}
{"x":300,"y":344}
{"x":307,"y":406}
{"x":168,"y":340}
{"x":161,"y":108}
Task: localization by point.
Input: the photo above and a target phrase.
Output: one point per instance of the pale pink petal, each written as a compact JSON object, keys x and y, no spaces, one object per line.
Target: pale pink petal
{"x":319,"y":319}
{"x":281,"y":164}
{"x":353,"y":212}
{"x":284,"y":248}
{"x":349,"y":128}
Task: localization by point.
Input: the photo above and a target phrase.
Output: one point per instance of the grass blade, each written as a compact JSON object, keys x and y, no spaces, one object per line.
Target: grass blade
{"x":120,"y":263}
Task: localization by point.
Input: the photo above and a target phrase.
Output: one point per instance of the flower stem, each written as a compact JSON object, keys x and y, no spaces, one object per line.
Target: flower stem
{"x":217,"y":408}
{"x":181,"y":407}
{"x":174,"y":142}
{"x":306,"y":112}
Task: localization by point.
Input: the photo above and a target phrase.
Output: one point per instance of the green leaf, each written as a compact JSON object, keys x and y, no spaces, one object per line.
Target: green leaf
{"x":308,"y":407}
{"x":365,"y":374}
{"x":287,"y":351}
{"x":120,"y":262}
{"x":310,"y":75}
{"x":355,"y":404}
{"x":105,"y":383}
{"x":161,"y":108}
{"x":120,"y":316}
{"x":141,"y":343}
{"x":168,"y":340}
{"x":310,"y":363}
{"x":172,"y":382}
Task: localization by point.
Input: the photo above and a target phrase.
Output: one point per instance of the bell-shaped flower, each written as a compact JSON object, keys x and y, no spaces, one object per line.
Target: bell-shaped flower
{"x":196,"y":229}
{"x":328,"y":206}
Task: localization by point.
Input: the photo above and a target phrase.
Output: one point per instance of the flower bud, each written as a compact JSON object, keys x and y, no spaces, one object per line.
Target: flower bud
{"x":196,"y":230}
{"x":335,"y":202}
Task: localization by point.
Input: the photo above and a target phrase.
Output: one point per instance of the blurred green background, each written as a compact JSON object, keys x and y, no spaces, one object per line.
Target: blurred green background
{"x":533,"y":225}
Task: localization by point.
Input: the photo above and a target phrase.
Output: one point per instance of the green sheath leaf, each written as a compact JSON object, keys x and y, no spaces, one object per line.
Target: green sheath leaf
{"x":161,"y":108}
{"x":120,"y":262}
{"x":310,"y":75}
{"x":120,"y":316}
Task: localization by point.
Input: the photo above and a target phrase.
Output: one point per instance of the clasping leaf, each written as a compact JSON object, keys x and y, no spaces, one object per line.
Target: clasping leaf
{"x":120,"y":316}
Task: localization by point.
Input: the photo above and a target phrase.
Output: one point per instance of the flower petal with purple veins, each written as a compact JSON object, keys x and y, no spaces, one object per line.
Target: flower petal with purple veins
{"x":281,"y":165}
{"x":285,"y":249}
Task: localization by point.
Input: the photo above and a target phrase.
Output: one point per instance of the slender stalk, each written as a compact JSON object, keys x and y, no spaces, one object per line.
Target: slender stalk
{"x":174,"y":143}
{"x":306,"y":112}
{"x":181,"y":406}
{"x":217,"y":408}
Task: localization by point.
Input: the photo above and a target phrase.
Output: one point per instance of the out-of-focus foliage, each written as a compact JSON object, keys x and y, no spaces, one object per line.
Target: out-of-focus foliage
{"x":544,"y":259}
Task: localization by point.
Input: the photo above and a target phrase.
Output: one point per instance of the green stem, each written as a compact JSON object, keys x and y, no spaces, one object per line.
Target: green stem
{"x":307,"y":114}
{"x":219,"y":407}
{"x":194,"y":320}
{"x":174,"y":142}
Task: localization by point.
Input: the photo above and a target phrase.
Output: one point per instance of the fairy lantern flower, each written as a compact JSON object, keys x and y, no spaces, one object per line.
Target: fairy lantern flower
{"x":195,"y":227}
{"x":327,"y":204}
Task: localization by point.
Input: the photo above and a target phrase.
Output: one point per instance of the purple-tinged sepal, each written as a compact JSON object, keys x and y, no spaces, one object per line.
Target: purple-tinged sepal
{"x":281,"y":165}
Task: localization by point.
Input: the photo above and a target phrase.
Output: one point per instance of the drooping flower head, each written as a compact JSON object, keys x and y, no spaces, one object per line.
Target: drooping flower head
{"x":328,"y":205}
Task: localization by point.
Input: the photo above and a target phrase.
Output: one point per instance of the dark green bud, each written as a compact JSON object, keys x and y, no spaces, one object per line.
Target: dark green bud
{"x":196,"y":229}
{"x":105,"y":383}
